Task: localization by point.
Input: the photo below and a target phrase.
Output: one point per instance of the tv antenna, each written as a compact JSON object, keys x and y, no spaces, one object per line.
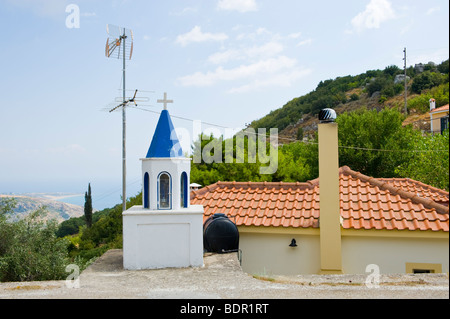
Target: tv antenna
{"x":119,"y":44}
{"x":137,"y":101}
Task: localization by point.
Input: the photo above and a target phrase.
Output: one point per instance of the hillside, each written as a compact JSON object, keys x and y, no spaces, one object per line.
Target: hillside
{"x":55,"y":209}
{"x":374,"y":89}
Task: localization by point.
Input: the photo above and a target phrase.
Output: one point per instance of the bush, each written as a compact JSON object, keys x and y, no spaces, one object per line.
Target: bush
{"x":30,"y":250}
{"x":421,"y":103}
{"x":354,"y":97}
{"x":426,"y":80}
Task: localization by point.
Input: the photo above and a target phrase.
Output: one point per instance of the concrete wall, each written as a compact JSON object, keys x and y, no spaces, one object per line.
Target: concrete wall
{"x":159,"y":239}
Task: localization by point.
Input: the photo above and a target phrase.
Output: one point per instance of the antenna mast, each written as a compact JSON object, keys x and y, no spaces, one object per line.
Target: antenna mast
{"x":406,"y":83}
{"x":115,"y":42}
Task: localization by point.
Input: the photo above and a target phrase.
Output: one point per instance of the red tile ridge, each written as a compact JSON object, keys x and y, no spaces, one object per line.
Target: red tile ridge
{"x":417,"y":183}
{"x":440,"y":209}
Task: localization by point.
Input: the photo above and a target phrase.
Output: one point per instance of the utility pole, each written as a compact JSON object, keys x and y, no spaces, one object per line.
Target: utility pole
{"x":124,"y":130}
{"x":116,"y":41}
{"x":406,"y":82}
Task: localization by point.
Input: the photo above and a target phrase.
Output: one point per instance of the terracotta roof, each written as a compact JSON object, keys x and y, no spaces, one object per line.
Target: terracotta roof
{"x":366,"y":203}
{"x":440,"y":109}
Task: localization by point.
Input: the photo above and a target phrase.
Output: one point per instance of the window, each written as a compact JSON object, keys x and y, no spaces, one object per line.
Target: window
{"x":422,"y":271}
{"x":184,"y":190}
{"x":423,"y":268}
{"x":146,"y":191}
{"x":164,"y":191}
{"x":444,"y":123}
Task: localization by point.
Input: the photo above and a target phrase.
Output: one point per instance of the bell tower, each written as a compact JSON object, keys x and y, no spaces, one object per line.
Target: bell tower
{"x":166,"y":231}
{"x":165,"y":171}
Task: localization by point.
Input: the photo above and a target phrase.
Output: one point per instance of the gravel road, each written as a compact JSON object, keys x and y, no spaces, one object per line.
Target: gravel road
{"x":222,"y":278}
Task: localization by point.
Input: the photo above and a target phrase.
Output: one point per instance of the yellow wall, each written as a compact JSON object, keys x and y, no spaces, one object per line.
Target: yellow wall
{"x":266,"y":251}
{"x":268,"y":254}
{"x":392,"y":254}
{"x":436,"y":121}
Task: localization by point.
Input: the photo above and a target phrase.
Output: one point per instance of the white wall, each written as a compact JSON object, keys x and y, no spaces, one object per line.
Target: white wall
{"x":159,"y":239}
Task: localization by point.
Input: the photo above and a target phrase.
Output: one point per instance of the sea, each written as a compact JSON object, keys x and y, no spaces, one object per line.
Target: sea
{"x":104,"y":195}
{"x":99,"y":201}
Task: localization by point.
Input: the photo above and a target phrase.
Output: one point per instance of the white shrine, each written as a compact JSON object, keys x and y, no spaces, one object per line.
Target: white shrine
{"x":166,"y":231}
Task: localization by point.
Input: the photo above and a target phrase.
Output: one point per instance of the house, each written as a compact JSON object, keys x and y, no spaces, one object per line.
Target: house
{"x":341,"y":222}
{"x":398,"y":223}
{"x":439,"y":118}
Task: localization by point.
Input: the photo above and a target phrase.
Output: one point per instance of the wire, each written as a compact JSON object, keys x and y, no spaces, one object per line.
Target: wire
{"x":306,"y":142}
{"x":111,"y":192}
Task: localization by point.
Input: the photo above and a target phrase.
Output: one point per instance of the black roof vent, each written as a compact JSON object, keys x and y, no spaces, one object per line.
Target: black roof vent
{"x":327,"y":116}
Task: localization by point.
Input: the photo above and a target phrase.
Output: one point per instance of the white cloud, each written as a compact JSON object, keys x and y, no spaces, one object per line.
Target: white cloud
{"x":196,"y":35}
{"x":261,"y":59}
{"x":283,"y":79}
{"x":267,"y":50}
{"x":294,"y":35}
{"x":224,"y":56}
{"x":237,"y":5}
{"x":47,"y":8}
{"x":304,"y":42}
{"x":184,"y":12}
{"x":433,"y":10}
{"x":376,"y":12}
{"x":264,"y":67}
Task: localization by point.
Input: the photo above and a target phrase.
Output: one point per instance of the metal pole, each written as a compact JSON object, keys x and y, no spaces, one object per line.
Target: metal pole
{"x":406,"y":90}
{"x":124,"y":157}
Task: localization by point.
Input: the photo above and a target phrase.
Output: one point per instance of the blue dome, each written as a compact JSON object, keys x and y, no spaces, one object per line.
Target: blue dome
{"x":165,"y":141}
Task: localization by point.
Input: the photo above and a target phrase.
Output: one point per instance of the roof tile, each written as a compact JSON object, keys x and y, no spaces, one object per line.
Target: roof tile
{"x":365,"y":202}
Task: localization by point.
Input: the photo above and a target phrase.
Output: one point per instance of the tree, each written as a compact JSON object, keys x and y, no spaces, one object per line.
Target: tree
{"x":29,"y":248}
{"x":426,"y":80}
{"x":363,"y":133}
{"x":88,"y":207}
{"x":443,"y":67}
{"x":430,"y":161}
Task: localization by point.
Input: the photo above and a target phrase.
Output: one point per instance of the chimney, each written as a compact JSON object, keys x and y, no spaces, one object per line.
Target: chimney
{"x":330,"y":226}
{"x":432,"y":104}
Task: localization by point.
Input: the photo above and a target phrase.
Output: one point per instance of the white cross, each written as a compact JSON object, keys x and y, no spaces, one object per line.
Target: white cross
{"x":165,"y":101}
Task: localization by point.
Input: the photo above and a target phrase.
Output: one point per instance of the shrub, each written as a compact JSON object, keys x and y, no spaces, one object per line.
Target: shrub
{"x":32,"y":251}
{"x":421,"y":103}
{"x":426,"y":80}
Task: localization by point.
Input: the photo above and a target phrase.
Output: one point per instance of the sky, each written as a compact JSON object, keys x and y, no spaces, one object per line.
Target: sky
{"x":223,"y":62}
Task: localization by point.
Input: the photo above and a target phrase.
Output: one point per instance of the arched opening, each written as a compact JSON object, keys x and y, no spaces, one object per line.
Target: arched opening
{"x":164,"y":191}
{"x":184,"y":190}
{"x":146,"y":191}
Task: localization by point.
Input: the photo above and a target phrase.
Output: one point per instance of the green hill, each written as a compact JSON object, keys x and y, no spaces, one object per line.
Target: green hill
{"x":374,"y":89}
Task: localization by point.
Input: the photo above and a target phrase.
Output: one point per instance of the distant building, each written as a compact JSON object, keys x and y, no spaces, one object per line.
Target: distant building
{"x":439,"y":118}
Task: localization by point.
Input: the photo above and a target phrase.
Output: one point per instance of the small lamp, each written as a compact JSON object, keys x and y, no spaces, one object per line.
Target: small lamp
{"x":293,"y":243}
